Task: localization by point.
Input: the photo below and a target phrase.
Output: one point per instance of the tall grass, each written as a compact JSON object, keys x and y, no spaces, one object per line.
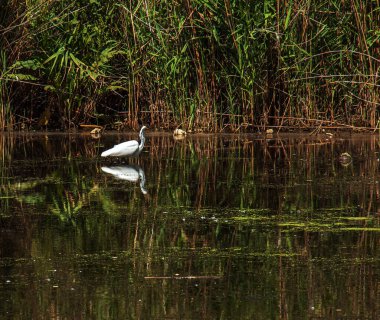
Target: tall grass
{"x":207,"y":65}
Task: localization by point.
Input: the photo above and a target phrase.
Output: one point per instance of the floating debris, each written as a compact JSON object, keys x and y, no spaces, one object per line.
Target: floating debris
{"x":95,"y":133}
{"x":345,"y":159}
{"x":179,"y":134}
{"x":96,"y":129}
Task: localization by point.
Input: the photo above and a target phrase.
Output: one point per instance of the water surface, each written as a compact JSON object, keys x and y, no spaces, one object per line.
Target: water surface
{"x":209,"y":227}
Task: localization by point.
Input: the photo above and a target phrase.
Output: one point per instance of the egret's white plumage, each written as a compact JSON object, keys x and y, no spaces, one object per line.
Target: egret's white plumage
{"x":128,"y":148}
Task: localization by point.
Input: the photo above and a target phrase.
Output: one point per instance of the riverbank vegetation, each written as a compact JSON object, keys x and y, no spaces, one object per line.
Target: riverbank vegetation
{"x":207,"y":65}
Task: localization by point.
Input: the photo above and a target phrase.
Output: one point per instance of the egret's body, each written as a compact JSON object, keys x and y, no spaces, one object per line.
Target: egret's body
{"x":128,"y":148}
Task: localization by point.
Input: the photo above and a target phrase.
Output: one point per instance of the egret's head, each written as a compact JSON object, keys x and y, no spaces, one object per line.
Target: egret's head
{"x":142,"y":132}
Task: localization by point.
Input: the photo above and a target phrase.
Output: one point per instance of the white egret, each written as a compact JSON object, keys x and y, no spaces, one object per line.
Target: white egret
{"x":128,"y":173}
{"x":128,"y":148}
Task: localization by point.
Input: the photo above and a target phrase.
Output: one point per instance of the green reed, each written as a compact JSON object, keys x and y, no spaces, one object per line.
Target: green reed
{"x":206,"y":65}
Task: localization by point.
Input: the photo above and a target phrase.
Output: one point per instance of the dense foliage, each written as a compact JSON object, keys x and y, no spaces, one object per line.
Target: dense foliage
{"x":204,"y":64}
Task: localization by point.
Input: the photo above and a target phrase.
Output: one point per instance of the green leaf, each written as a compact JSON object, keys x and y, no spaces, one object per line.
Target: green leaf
{"x":21,"y":77}
{"x":288,"y":15}
{"x":27,"y":64}
{"x":76,"y":60}
{"x":50,"y":88}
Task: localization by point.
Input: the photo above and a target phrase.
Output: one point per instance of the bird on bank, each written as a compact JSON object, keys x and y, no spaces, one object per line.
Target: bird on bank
{"x":129,"y":148}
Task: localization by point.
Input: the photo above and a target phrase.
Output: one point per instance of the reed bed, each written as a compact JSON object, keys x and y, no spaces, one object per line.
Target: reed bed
{"x":205,"y":65}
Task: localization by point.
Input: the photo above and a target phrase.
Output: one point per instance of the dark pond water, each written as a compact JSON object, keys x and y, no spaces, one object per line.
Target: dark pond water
{"x":211,"y":227}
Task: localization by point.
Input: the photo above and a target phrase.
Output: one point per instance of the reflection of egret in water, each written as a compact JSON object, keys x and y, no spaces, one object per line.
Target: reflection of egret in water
{"x":128,"y":173}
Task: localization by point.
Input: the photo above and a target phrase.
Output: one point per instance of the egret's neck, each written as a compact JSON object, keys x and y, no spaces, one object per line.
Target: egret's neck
{"x":142,"y":141}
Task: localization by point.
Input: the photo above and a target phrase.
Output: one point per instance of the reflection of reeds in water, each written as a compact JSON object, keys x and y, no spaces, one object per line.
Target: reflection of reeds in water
{"x":284,"y":164}
{"x":243,"y":165}
{"x":7,"y":142}
{"x":174,"y":232}
{"x":227,"y":171}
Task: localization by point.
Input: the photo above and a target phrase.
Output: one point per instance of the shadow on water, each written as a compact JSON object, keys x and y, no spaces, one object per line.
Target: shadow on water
{"x":208,"y":227}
